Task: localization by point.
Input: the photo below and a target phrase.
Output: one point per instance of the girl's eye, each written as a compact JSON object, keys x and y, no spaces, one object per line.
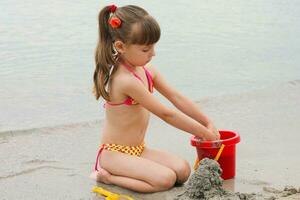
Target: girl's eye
{"x":145,"y":50}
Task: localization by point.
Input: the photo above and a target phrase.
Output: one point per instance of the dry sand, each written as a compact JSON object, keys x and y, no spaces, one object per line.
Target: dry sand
{"x":55,"y":163}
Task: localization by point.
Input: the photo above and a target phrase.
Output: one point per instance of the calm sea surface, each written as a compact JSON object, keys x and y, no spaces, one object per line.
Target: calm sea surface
{"x":207,"y":48}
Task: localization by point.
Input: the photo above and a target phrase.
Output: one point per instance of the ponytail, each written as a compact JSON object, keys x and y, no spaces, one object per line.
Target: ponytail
{"x":104,"y":58}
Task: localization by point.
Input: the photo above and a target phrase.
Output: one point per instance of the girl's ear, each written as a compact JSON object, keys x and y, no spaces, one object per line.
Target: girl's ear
{"x":119,"y":46}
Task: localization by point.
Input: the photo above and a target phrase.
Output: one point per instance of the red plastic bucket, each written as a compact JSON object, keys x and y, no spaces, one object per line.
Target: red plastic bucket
{"x":209,"y":149}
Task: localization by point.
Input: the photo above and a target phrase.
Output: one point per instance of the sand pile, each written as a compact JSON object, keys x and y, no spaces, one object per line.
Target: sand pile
{"x":206,"y":183}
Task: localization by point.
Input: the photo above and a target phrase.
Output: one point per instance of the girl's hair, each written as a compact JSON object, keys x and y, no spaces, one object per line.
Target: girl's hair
{"x":146,"y":31}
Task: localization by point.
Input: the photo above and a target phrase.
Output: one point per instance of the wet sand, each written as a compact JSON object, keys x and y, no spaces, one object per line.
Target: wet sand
{"x":55,"y":163}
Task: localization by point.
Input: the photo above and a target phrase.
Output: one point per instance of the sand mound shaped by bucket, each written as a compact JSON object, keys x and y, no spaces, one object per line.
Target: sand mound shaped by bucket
{"x":206,"y":183}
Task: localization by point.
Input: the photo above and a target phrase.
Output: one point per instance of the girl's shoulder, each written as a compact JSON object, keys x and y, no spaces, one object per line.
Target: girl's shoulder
{"x":123,"y":81}
{"x":122,"y":77}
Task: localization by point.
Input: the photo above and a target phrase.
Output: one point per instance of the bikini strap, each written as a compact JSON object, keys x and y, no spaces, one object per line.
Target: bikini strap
{"x":127,"y":101}
{"x":97,"y":158}
{"x":149,"y":78}
{"x":129,"y":69}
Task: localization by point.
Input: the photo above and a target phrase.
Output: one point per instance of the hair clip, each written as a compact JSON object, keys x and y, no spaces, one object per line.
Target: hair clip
{"x":112,"y":8}
{"x":115,"y":22}
{"x":115,"y":52}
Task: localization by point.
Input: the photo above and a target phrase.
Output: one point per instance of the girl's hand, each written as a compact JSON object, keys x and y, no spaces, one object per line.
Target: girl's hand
{"x":215,"y":133}
{"x":212,"y":136}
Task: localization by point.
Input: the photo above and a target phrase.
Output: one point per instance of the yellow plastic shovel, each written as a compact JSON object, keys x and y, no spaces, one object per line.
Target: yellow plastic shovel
{"x":109,"y":195}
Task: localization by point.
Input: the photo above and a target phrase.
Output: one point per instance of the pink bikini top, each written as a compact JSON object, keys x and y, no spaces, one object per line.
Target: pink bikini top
{"x":129,"y":101}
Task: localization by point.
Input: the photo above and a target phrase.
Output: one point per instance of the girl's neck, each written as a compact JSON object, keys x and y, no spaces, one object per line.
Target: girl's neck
{"x":127,"y":64}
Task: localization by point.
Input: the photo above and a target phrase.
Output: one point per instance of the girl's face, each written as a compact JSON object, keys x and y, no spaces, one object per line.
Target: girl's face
{"x":138,"y":55}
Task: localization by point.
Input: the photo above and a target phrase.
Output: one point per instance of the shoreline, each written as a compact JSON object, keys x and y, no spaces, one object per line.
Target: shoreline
{"x":202,"y":101}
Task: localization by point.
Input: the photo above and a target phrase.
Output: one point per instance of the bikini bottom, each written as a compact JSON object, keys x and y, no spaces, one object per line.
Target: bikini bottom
{"x":131,"y":150}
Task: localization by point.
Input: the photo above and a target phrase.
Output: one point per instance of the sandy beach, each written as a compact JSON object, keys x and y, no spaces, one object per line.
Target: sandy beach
{"x":55,"y":162}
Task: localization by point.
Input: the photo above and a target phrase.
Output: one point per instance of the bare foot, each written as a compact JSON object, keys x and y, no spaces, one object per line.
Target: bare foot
{"x":101,"y":176}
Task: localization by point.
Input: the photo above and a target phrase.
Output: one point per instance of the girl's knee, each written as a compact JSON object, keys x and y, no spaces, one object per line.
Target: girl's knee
{"x":165,"y":181}
{"x":183,"y":171}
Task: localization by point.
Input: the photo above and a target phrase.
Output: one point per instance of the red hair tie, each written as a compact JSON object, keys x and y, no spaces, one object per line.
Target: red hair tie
{"x":112,"y":8}
{"x":115,"y":22}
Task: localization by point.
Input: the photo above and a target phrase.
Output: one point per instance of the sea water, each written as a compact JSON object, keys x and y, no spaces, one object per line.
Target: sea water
{"x":207,"y":49}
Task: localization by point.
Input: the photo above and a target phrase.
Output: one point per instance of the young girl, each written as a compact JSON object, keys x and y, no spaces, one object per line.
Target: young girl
{"x":126,"y":80}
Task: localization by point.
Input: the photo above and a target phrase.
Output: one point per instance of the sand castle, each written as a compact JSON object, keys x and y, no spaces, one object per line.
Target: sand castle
{"x":206,"y":183}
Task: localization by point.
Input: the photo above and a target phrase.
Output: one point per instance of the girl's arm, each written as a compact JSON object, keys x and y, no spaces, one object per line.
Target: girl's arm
{"x":178,"y":100}
{"x":181,"y":102}
{"x":136,"y":90}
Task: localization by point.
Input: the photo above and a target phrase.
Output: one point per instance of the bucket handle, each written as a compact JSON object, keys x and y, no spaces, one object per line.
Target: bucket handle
{"x":197,"y":162}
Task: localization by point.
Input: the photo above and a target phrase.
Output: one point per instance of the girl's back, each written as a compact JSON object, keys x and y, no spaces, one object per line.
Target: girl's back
{"x":120,"y":116}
